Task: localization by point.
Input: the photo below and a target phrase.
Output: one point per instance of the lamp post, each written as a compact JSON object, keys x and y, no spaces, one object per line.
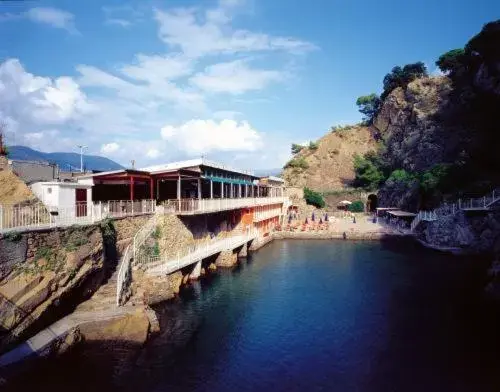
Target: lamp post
{"x":81,"y":147}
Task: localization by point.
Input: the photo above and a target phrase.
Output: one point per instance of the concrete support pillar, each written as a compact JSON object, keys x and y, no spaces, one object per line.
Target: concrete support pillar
{"x":131,"y":188}
{"x":211,"y":189}
{"x":222,"y":190}
{"x":239,"y":190}
{"x":195,"y":274}
{"x":243,"y":251}
{"x":179,"y":188}
{"x":199,"y":188}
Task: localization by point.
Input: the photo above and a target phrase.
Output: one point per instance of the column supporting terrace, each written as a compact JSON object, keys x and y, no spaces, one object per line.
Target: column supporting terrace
{"x":179,"y":188}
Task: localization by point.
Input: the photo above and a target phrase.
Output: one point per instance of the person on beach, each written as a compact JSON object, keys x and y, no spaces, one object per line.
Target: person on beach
{"x":312,"y":217}
{"x":326,"y":217}
{"x":354,"y":219}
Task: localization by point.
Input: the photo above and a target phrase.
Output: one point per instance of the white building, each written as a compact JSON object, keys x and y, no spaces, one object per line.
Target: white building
{"x":76,"y":198}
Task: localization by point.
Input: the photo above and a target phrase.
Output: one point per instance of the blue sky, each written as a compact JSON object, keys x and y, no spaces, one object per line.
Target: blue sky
{"x":233,"y":80}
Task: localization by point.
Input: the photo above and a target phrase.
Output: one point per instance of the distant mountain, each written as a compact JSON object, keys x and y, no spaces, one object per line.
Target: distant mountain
{"x":65,"y":160}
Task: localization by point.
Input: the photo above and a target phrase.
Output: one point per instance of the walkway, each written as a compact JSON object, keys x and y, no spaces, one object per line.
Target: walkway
{"x":100,"y":307}
{"x":204,"y":206}
{"x":484,"y":203}
{"x":157,"y":266}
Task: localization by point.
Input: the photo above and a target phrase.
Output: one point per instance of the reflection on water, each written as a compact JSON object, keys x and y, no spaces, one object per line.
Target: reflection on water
{"x":322,"y":315}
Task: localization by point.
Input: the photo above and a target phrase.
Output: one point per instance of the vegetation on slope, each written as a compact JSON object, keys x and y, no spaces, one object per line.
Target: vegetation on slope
{"x":326,"y":164}
{"x":313,"y":198}
{"x":437,"y":135}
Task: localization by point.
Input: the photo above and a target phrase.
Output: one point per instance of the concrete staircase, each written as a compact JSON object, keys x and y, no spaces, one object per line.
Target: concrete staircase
{"x":104,"y":298}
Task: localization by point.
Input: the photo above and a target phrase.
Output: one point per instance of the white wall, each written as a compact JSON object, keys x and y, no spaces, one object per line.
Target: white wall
{"x":67,"y":197}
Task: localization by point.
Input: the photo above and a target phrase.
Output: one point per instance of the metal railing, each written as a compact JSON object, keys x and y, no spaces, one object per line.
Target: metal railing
{"x":266,"y":212}
{"x":124,"y":276}
{"x":158,"y":265}
{"x":428,"y":216}
{"x":446,"y":208}
{"x":200,"y":206}
{"x":39,"y":216}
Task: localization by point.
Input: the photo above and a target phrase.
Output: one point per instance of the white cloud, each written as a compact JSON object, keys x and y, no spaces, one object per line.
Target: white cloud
{"x":124,"y":15}
{"x":153,"y":90}
{"x":54,"y":17}
{"x":118,"y":110}
{"x":153,"y":153}
{"x":118,"y":22}
{"x":32,"y":99}
{"x":198,"y":34}
{"x":204,"y":136}
{"x":154,"y":68}
{"x":110,"y":148}
{"x":234,"y":77}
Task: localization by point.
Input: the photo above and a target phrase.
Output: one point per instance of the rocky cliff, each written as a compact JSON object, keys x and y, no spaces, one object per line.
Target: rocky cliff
{"x":330,"y":165}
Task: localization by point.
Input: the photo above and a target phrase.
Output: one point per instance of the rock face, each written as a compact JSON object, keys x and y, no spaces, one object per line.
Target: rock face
{"x":44,"y":275}
{"x":473,"y":233}
{"x":411,"y":127}
{"x":59,"y":268}
{"x":330,"y":166}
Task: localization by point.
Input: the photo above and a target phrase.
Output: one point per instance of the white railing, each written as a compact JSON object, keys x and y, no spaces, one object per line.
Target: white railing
{"x":39,"y":216}
{"x":197,"y":206}
{"x":446,"y":208}
{"x":157,"y":265}
{"x":143,"y":233}
{"x":266,"y":212}
{"x":124,"y":276}
{"x":423,"y":216}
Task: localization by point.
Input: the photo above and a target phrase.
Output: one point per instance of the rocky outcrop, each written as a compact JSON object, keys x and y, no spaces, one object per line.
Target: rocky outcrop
{"x":330,"y":166}
{"x":472,"y":232}
{"x":45,"y":274}
{"x":59,"y":268}
{"x":410,"y":123}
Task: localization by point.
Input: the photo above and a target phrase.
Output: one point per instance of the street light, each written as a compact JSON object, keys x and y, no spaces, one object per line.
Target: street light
{"x":81,"y":147}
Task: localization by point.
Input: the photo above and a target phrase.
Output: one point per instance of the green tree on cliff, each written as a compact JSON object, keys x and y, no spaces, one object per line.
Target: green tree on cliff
{"x":400,"y":77}
{"x":296,"y":148}
{"x":3,"y":148}
{"x":369,"y":106}
{"x":452,"y":61}
{"x":368,"y":171}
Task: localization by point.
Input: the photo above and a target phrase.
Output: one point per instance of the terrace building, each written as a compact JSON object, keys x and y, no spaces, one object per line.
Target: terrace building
{"x":190,"y":187}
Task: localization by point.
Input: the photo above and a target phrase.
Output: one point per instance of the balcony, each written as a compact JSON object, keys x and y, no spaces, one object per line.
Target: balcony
{"x":206,"y":206}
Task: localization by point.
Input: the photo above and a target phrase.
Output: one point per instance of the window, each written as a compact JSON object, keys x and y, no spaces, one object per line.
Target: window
{"x":49,"y":190}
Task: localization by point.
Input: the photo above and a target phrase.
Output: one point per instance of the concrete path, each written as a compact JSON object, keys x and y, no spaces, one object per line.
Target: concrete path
{"x":101,"y":306}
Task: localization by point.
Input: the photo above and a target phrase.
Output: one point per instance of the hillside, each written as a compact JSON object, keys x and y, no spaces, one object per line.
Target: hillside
{"x":439,"y":135}
{"x":65,"y":160}
{"x":330,"y":166}
{"x":12,"y":189}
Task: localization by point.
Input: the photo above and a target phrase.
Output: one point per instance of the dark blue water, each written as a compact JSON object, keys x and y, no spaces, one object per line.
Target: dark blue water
{"x":314,"y":316}
{"x":335,"y":316}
